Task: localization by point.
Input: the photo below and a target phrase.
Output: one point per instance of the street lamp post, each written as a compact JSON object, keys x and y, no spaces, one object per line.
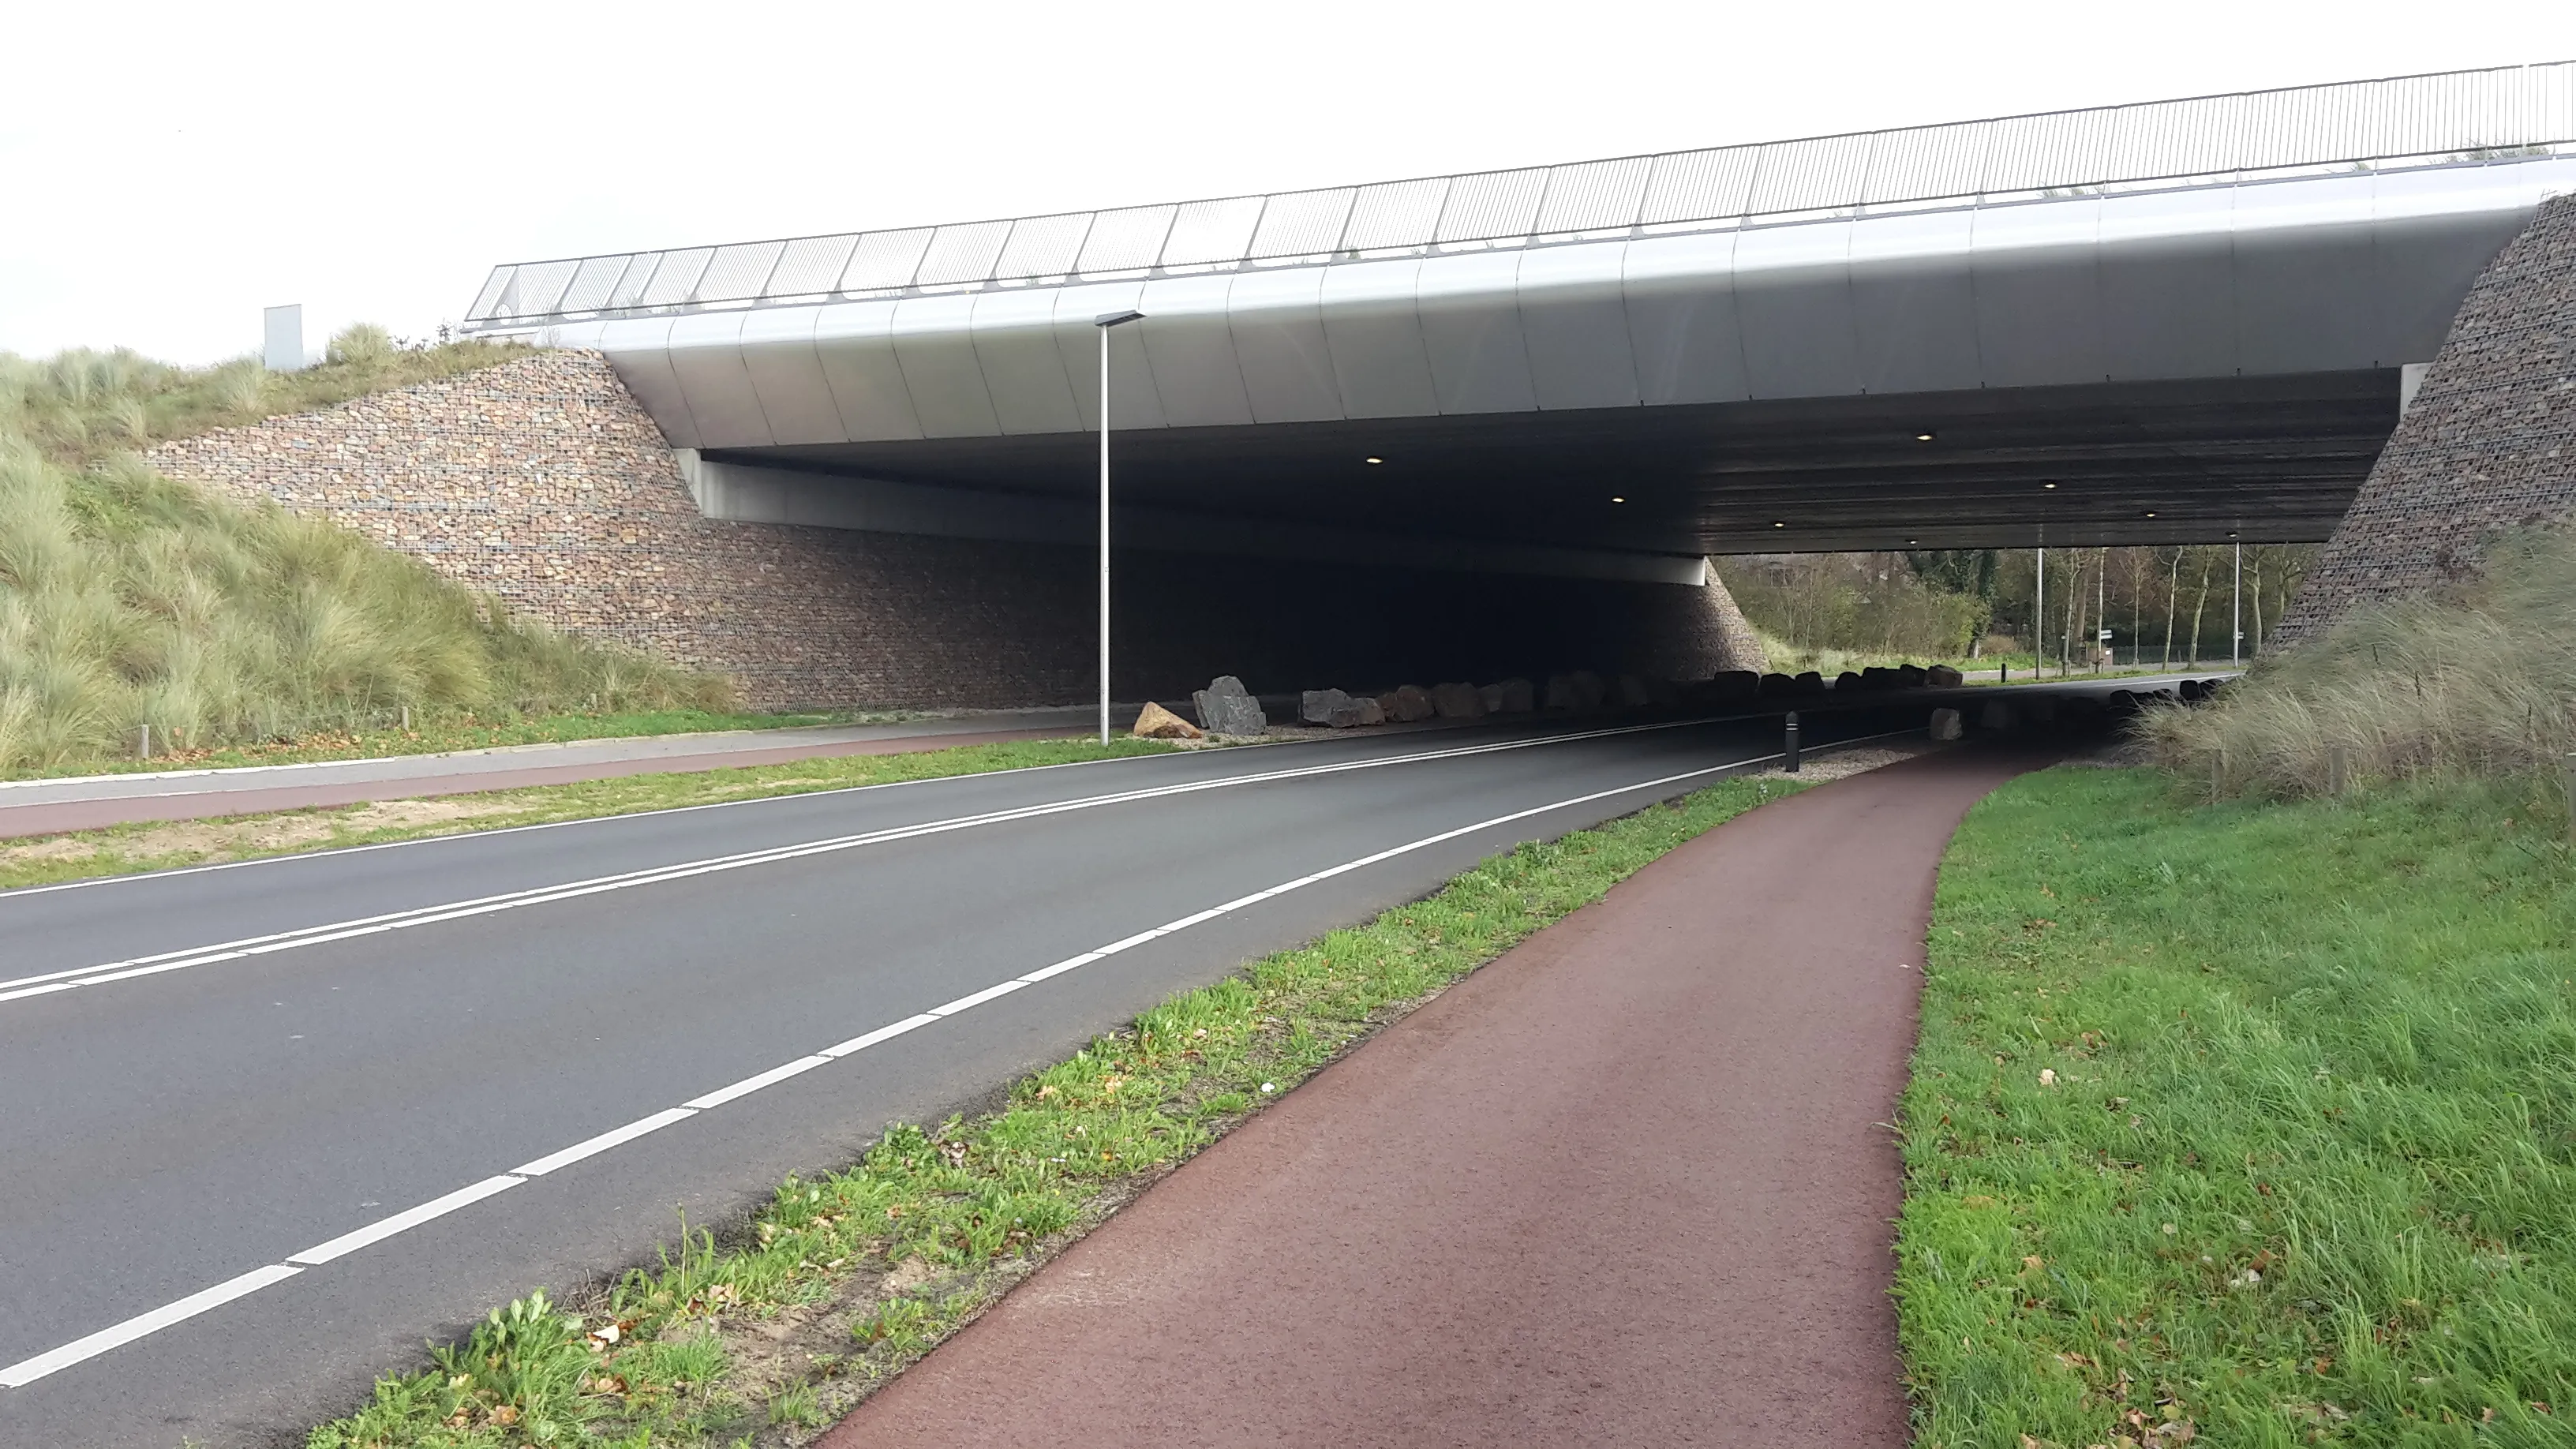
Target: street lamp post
{"x":2236,"y":616}
{"x":1105,"y":321}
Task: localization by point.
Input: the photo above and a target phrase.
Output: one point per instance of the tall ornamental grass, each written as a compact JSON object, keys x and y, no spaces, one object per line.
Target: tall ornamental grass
{"x":128,"y":599}
{"x":2478,"y":680}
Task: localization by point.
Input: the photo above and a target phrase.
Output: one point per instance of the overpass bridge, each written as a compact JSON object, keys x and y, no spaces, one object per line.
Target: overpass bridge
{"x":2131,"y":324}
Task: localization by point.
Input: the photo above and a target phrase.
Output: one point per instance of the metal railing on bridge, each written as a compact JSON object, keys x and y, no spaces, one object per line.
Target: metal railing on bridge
{"x":2459,"y":117}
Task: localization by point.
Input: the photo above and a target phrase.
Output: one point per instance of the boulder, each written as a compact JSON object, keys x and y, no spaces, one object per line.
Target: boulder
{"x":1665,"y":693}
{"x":1997,"y":715}
{"x":1226,"y":708}
{"x":1875,"y":677}
{"x":1492,"y":695}
{"x":1942,"y":676}
{"x":1518,"y":697}
{"x":1589,"y":688}
{"x":1778,"y":684}
{"x":1911,"y":676}
{"x":1356,"y":712}
{"x":1158,"y":723}
{"x":1734,"y":684}
{"x":1457,"y":701}
{"x":1316,"y":706}
{"x":1810,"y":682}
{"x":2189,"y":689}
{"x":1945,"y":724}
{"x":1561,"y":693}
{"x":1633,"y":693}
{"x":1412,"y":702}
{"x":1847,"y":680}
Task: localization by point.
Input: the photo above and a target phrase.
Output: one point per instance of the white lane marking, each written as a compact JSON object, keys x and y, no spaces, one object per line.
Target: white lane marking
{"x":27,"y":1371}
{"x":613,"y":1137}
{"x":383,"y":1228}
{"x":754,"y":1083}
{"x":656,"y":875}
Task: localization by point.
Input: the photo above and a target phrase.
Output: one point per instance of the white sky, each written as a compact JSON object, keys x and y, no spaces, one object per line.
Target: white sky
{"x":174,"y":168}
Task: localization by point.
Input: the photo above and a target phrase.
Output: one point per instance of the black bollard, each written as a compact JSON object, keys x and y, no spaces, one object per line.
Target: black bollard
{"x":1789,"y":750}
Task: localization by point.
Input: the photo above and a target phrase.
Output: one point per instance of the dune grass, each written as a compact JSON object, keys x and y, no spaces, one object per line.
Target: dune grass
{"x":127,"y":599}
{"x":2244,"y":1124}
{"x":841,"y":1281}
{"x":2478,"y":681}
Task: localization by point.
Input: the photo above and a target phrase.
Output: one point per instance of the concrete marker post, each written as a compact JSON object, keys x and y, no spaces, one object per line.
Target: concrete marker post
{"x":143,"y":744}
{"x":1789,"y":746}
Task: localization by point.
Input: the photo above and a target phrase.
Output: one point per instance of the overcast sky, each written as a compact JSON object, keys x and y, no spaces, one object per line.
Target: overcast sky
{"x":174,"y":168}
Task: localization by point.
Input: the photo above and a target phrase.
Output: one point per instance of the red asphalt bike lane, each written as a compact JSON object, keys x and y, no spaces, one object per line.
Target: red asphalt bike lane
{"x":1630,"y":1183}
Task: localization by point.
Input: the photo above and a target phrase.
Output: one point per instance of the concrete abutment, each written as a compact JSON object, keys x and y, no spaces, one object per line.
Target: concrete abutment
{"x":542,"y":482}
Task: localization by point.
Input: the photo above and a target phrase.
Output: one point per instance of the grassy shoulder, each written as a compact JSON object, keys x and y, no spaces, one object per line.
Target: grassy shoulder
{"x":127,"y":849}
{"x":2251,"y":1124}
{"x":841,"y":1281}
{"x":438,"y":732}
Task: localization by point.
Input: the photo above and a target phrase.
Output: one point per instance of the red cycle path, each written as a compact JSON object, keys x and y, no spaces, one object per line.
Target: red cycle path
{"x":1629,"y":1184}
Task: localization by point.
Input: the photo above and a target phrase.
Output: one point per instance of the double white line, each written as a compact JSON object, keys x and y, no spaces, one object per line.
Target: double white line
{"x":28,"y":1371}
{"x":126,"y":970}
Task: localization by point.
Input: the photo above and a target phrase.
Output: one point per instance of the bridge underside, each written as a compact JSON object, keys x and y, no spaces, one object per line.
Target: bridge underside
{"x":2276,"y":458}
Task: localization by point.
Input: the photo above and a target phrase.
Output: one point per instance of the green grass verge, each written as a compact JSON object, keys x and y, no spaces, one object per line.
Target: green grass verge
{"x":127,"y":849}
{"x":2250,"y":1124}
{"x":859,"y":1272}
{"x":437,"y":732}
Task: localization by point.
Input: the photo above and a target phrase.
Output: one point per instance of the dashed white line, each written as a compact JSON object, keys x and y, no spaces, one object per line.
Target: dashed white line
{"x":261,"y":945}
{"x":27,"y":1371}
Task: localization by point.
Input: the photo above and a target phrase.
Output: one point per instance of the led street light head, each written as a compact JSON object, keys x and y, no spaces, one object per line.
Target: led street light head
{"x":1117,"y":319}
{"x":1372,"y":460}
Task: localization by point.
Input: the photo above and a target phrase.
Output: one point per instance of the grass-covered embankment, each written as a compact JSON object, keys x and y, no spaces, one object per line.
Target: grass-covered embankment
{"x":2249,"y":1123}
{"x":843,"y":1280}
{"x":2477,"y":679}
{"x":128,"y":600}
{"x":127,"y":849}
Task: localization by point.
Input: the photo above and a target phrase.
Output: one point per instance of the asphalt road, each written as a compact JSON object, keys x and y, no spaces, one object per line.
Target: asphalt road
{"x":272,"y":1125}
{"x":214,"y":1076}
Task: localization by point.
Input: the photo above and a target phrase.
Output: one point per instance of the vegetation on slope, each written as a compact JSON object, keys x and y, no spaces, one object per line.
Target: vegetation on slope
{"x":127,"y":599}
{"x":2478,"y":681}
{"x":2251,"y":1124}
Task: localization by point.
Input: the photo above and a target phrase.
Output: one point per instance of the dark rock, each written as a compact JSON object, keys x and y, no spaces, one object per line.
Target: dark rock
{"x":1589,"y":688}
{"x":1942,"y":676}
{"x":1847,"y":680}
{"x":1735,"y":684}
{"x":1811,"y":683}
{"x":1352,"y":713}
{"x":1518,"y":697}
{"x":1778,"y":684}
{"x":1317,"y":705}
{"x":1945,"y":724}
{"x":1412,"y":703}
{"x":1633,"y":693}
{"x":1910,"y":676}
{"x":1458,"y":701}
{"x":1225,"y":708}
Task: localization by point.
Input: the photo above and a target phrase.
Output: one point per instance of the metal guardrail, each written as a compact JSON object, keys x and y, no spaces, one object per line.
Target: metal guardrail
{"x":2450,"y":118}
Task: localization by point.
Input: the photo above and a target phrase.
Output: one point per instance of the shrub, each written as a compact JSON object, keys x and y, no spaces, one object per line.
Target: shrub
{"x":2478,"y":680}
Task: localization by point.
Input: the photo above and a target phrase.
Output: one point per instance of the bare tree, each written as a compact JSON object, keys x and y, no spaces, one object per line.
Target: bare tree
{"x":2173,"y":576}
{"x":2198,"y":605}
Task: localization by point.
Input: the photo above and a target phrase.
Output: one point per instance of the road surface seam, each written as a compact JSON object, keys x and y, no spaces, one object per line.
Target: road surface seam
{"x":28,"y":1371}
{"x":52,"y":981}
